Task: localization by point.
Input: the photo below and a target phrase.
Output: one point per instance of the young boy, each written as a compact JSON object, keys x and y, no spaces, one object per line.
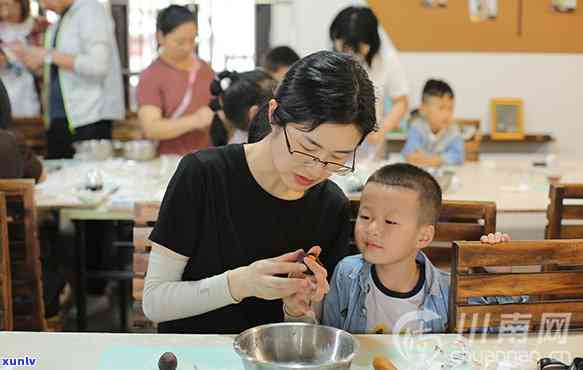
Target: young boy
{"x":278,"y":60}
{"x":433,"y":139}
{"x":391,"y":286}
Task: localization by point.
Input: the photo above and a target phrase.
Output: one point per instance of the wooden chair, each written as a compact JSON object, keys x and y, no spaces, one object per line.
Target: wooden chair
{"x":145,"y":216}
{"x":472,"y":143}
{"x":559,"y":210}
{"x":459,"y":220}
{"x":27,"y":290}
{"x":5,"y":276}
{"x":34,"y":132}
{"x":549,"y":292}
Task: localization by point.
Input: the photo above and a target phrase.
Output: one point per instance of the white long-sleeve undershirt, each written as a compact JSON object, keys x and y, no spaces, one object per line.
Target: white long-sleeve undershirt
{"x":166,"y":297}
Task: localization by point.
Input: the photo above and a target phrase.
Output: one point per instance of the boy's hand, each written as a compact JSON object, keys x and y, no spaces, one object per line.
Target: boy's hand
{"x":299,"y":304}
{"x":495,"y":238}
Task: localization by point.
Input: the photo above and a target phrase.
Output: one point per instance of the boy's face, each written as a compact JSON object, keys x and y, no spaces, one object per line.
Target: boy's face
{"x":387,"y":228}
{"x":439,"y":111}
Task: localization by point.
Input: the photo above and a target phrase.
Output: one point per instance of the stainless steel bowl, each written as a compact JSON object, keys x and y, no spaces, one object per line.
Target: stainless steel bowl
{"x":93,"y":150}
{"x":295,"y":346}
{"x":140,"y":150}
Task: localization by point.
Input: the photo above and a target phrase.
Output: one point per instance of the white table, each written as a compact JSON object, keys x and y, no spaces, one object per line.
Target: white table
{"x":77,"y":351}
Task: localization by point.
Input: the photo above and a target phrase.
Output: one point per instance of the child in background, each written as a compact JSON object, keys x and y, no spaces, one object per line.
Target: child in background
{"x":433,"y":138}
{"x":278,"y":60}
{"x":392,"y":286}
{"x":238,"y":97}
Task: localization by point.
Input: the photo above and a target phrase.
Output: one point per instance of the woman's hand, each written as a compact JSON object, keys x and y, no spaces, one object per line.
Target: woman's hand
{"x":259,"y":278}
{"x":299,"y":304}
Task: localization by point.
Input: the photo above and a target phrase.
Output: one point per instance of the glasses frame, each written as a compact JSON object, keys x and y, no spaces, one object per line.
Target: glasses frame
{"x":315,"y":159}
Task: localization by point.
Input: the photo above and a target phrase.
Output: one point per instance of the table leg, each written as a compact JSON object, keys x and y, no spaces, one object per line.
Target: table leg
{"x":80,"y":249}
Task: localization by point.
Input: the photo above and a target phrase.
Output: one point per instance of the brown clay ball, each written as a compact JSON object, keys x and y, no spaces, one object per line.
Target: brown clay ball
{"x":168,"y":361}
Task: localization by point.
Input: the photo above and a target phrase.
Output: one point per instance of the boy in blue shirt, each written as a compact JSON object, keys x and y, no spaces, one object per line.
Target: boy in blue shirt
{"x":391,"y":286}
{"x":433,"y":138}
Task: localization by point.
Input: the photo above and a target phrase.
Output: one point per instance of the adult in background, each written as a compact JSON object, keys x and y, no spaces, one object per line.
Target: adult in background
{"x":174,"y":91}
{"x":356,"y":30}
{"x":82,"y":74}
{"x":18,"y":27}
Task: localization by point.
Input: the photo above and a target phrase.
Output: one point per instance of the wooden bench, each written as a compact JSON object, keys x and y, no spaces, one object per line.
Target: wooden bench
{"x":550,"y":292}
{"x":145,"y":216}
{"x":5,"y":275}
{"x":27,"y":290}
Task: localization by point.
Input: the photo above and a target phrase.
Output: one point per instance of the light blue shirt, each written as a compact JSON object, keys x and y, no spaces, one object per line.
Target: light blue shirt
{"x":448,"y":143}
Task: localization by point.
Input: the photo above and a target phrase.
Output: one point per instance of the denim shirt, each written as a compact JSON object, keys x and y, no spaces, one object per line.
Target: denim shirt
{"x":344,"y":306}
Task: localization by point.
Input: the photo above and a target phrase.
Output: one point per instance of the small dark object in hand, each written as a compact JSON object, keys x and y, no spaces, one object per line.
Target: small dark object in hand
{"x":168,"y":361}
{"x":303,"y":255}
{"x":94,"y":187}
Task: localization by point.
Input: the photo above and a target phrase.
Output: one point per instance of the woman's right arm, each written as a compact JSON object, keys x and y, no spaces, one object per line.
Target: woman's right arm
{"x":166,"y":297}
{"x":156,"y":127}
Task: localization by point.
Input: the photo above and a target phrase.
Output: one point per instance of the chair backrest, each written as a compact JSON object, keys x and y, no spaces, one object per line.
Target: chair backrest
{"x":472,"y":143}
{"x":5,"y":275}
{"x":559,"y":210}
{"x":459,"y":220}
{"x":27,"y":290}
{"x":145,"y":216}
{"x":553,"y":295}
{"x":34,"y":132}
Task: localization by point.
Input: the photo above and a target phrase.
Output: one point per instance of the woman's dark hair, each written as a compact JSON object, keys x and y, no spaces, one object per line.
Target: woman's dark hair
{"x":235,"y":93}
{"x":355,"y":25}
{"x":281,"y":56}
{"x":323,"y":87}
{"x":172,"y":17}
{"x":5,"y":110}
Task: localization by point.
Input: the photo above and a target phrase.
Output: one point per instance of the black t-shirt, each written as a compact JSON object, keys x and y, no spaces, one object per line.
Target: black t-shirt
{"x":217,"y":214}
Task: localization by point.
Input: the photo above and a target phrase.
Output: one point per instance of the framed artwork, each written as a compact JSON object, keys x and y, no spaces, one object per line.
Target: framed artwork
{"x":564,"y":6}
{"x":483,"y":10}
{"x":507,"y":119}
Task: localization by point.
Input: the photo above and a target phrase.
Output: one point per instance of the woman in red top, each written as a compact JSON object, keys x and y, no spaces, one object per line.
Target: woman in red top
{"x":173,"y":93}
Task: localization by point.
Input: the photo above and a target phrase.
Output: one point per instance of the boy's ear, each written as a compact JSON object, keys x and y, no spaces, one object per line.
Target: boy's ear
{"x":426,"y":235}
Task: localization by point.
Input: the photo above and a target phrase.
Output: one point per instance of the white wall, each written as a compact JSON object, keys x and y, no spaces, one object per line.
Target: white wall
{"x":550,"y":84}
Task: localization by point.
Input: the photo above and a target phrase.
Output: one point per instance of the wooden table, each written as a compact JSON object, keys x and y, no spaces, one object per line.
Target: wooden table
{"x":89,"y":351}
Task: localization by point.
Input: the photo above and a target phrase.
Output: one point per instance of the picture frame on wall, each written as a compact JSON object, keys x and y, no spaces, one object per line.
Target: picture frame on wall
{"x":564,"y":6}
{"x":507,"y":119}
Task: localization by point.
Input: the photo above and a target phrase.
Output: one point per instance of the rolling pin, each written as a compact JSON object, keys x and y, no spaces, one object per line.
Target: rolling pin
{"x":382,"y":363}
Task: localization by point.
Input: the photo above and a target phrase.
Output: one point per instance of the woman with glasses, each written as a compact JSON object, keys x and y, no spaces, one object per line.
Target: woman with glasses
{"x":236,"y":219}
{"x":173,"y":93}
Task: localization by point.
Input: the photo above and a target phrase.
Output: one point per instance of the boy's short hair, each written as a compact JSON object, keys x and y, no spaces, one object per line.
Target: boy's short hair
{"x":411,"y":177}
{"x":281,"y":56}
{"x":436,"y":88}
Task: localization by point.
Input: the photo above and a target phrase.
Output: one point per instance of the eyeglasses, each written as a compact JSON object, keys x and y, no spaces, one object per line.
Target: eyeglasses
{"x":311,"y":161}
